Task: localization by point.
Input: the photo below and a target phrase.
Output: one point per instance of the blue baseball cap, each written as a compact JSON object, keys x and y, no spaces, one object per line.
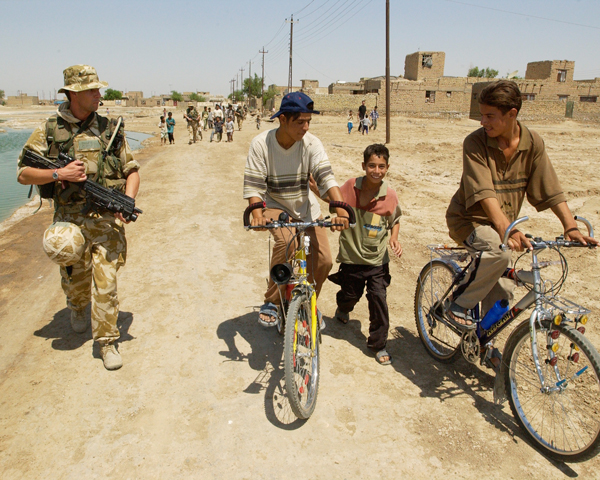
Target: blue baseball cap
{"x":295,"y":102}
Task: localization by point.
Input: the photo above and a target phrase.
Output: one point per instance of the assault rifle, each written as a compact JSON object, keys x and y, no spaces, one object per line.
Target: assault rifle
{"x":102,"y":197}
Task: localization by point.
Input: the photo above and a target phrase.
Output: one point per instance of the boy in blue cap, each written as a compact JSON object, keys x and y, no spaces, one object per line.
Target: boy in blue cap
{"x":278,"y":168}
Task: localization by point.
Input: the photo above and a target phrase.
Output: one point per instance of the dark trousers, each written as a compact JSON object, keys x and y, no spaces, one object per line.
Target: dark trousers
{"x":352,"y":279}
{"x":171,"y":139}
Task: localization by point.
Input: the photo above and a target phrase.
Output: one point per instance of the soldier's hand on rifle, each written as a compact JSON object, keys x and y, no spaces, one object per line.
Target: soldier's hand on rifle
{"x":73,"y":172}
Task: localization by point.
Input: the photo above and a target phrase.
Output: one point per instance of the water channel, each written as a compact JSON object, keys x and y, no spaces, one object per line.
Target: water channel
{"x":13,"y":194}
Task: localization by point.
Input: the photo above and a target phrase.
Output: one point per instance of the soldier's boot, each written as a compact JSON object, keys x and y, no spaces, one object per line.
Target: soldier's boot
{"x":110,"y":356}
{"x":79,"y":323}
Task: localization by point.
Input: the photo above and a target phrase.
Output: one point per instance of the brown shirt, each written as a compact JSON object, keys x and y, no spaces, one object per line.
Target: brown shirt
{"x":487,"y":174}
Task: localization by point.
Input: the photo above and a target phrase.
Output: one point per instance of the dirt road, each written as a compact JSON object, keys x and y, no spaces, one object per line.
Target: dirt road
{"x":200,"y":392}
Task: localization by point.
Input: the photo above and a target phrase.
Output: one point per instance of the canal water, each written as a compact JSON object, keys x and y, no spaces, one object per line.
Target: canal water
{"x":12,"y":193}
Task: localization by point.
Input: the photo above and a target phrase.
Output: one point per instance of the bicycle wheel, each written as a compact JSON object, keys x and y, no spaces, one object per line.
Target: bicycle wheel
{"x":440,"y":340}
{"x":301,"y":363}
{"x":565,"y":424}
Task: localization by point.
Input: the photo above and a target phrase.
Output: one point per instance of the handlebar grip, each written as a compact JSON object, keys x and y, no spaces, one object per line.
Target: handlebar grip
{"x":249,"y":209}
{"x":348,"y":208}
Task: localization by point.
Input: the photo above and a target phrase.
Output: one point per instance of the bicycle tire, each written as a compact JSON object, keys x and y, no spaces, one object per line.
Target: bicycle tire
{"x":440,"y":340}
{"x":300,"y":365}
{"x":565,"y":425}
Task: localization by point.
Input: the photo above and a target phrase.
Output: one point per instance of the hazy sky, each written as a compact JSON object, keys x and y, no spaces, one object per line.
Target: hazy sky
{"x":159,"y":46}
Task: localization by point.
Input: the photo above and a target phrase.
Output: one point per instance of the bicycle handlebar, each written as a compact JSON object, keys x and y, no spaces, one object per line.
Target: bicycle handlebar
{"x":277,"y":224}
{"x":539,"y":243}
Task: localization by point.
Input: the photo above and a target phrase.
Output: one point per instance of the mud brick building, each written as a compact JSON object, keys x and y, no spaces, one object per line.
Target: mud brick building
{"x":549,"y":91}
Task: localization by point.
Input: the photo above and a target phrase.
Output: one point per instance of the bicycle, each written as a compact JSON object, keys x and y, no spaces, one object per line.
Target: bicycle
{"x":297,"y":316}
{"x":550,"y":370}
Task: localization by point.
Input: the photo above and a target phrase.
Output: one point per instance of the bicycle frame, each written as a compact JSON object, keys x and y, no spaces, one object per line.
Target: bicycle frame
{"x":546,"y":307}
{"x":300,"y":256}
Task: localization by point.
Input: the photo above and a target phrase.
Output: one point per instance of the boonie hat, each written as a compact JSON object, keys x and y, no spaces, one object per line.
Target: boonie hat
{"x":295,"y":102}
{"x":81,"y":77}
{"x":64,"y":243}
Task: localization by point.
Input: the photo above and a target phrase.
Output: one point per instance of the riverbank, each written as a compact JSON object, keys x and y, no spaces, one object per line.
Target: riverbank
{"x":200,"y":394}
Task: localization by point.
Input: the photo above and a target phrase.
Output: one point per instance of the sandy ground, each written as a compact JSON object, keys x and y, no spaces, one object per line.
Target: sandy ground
{"x":200,"y":393}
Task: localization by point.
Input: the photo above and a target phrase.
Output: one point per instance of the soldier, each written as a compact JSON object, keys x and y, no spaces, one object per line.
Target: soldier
{"x":193,"y":118}
{"x":240,"y":115}
{"x":89,"y":247}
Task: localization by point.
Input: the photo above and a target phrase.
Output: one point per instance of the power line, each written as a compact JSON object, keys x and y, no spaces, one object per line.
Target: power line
{"x":306,"y":15}
{"x":324,"y":17}
{"x":339,"y":17}
{"x":523,"y":14}
{"x":325,"y":75}
{"x":334,"y":29}
{"x":311,"y":1}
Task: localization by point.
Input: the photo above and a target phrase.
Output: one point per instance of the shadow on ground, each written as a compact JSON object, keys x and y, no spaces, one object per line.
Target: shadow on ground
{"x":64,"y":338}
{"x":265,"y":357}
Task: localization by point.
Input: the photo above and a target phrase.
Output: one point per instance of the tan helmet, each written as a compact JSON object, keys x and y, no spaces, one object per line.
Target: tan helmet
{"x":81,"y":77}
{"x":64,"y":243}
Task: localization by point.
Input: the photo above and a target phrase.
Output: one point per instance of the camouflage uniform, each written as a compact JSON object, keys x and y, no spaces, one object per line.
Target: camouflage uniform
{"x":193,"y":119}
{"x":94,"y":276}
{"x":239,"y":115}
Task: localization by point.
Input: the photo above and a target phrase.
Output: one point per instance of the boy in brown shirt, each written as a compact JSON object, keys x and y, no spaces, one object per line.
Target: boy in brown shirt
{"x":503,"y":162}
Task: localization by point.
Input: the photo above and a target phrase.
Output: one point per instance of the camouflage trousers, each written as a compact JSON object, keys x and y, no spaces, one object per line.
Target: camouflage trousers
{"x":240,"y":120}
{"x":94,"y":277}
{"x":194,"y":131}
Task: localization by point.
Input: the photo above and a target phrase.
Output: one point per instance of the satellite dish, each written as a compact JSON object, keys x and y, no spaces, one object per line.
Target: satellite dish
{"x":512,"y":75}
{"x":428,"y":62}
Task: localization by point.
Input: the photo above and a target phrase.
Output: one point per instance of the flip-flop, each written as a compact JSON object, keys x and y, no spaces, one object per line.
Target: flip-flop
{"x":269,"y":309}
{"x":341,"y":316}
{"x":453,"y":312}
{"x":383,"y":353}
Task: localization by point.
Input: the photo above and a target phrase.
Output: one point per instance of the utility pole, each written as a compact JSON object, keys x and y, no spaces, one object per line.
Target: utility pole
{"x":249,"y":77}
{"x":291,"y":41}
{"x":387,"y":72}
{"x":242,"y":78}
{"x":262,"y":83}
{"x":232,"y":82}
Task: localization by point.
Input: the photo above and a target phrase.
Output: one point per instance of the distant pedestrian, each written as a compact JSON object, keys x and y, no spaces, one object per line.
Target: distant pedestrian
{"x":107,"y":112}
{"x":230,"y":127}
{"x":204,"y":119}
{"x":165,"y":112}
{"x":364,"y":123}
{"x":217,"y":129}
{"x":350,"y":120}
{"x":374,"y":115}
{"x":240,"y":114}
{"x":210,"y":118}
{"x":362,"y":112}
{"x":170,"y":128}
{"x":163,"y":130}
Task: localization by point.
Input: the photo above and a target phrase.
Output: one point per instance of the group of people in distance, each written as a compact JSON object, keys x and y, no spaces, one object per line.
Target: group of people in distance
{"x":288,"y":169}
{"x":197,"y":122}
{"x":503,"y":162}
{"x":364,"y":120}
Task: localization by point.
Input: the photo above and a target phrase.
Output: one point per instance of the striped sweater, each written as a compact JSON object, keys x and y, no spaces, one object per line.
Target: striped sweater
{"x":280,"y":177}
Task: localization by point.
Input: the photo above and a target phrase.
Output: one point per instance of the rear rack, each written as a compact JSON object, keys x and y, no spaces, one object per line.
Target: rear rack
{"x":446,"y":252}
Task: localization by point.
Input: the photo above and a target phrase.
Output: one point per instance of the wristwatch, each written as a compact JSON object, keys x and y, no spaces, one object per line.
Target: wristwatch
{"x":55,"y":174}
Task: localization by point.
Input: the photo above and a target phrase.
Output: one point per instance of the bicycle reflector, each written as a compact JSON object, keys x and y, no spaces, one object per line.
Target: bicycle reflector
{"x":281,"y":273}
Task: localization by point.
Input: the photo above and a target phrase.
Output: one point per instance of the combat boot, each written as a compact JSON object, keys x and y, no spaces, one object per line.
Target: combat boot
{"x":110,"y":356}
{"x":79,"y":323}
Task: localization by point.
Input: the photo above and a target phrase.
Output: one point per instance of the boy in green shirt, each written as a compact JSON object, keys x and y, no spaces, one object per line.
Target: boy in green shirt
{"x":363,"y":250}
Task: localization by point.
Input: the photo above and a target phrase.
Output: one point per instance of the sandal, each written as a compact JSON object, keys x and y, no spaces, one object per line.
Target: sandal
{"x":342,"y":316}
{"x":456,"y":315}
{"x":383,"y":353}
{"x":270,"y":310}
